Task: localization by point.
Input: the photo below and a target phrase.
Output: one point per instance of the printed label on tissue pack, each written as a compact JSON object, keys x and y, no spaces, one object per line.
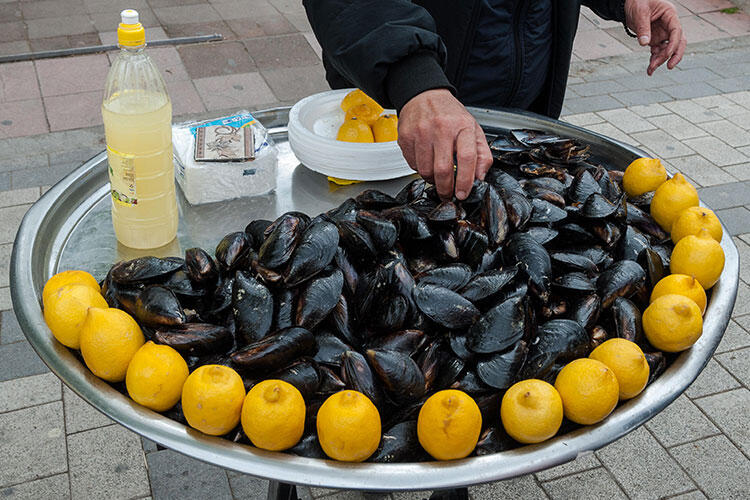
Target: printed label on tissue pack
{"x":122,"y":177}
{"x":225,"y":139}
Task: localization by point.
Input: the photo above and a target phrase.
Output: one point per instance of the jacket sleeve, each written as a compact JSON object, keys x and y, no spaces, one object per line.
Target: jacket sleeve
{"x":607,"y":9}
{"x":387,"y":48}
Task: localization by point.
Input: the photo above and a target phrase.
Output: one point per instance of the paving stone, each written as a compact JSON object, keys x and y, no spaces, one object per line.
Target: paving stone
{"x":596,"y":88}
{"x":718,"y":467}
{"x":739,"y":172}
{"x":521,"y":487}
{"x":742,"y":304}
{"x":742,"y":97}
{"x":175,"y":476}
{"x":649,"y":110}
{"x":270,"y":25}
{"x":591,"y":484}
{"x":182,"y":15}
{"x":35,"y":177}
{"x":213,"y":59}
{"x":712,"y":379}
{"x":292,"y":84}
{"x":79,"y":415}
{"x":234,"y":91}
{"x":736,"y":220}
{"x":66,"y":112}
{"x":691,"y":111}
{"x":245,"y":486}
{"x":712,"y":101}
{"x":185,"y":98}
{"x":10,"y":331}
{"x":741,"y":119}
{"x":283,"y":51}
{"x":731,"y":84}
{"x":691,"y":75}
{"x":744,"y":251}
{"x":67,"y":161}
{"x":148,"y":445}
{"x":690,"y":495}
{"x":653,"y":475}
{"x":421,"y":495}
{"x":52,"y":143}
{"x":5,"y":301}
{"x":109,"y":6}
{"x":716,"y":151}
{"x":59,"y":26}
{"x":107,"y":463}
{"x":299,"y":21}
{"x":702,"y":171}
{"x":20,"y":118}
{"x":690,"y":90}
{"x":583,"y":462}
{"x":199,"y":29}
{"x":727,"y":132}
{"x":49,"y":488}
{"x":594,"y":103}
{"x":725,"y":196}
{"x":583,"y":119}
{"x":14,"y":47}
{"x":29,"y":391}
{"x":737,"y":362}
{"x":626,"y":120}
{"x":18,"y":82}
{"x":661,"y":143}
{"x":237,"y":9}
{"x":735,"y":336}
{"x":19,"y":360}
{"x":35,"y":438}
{"x":693,"y":424}
{"x":19,"y":197}
{"x":310,"y":37}
{"x":611,"y":131}
{"x":736,"y":24}
{"x":637,"y":97}
{"x":597,"y":43}
{"x":677,"y":126}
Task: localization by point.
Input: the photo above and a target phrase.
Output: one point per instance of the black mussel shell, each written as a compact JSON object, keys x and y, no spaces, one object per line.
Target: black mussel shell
{"x":284,"y":308}
{"x":574,"y":282}
{"x":607,"y":232}
{"x":472,"y":242}
{"x":357,"y":241}
{"x":399,"y":374}
{"x":519,"y":208}
{"x":318,"y":298}
{"x":446,"y":213}
{"x":597,"y":206}
{"x":487,"y":284}
{"x":574,"y":262}
{"x":654,"y":266}
{"x":494,"y":440}
{"x":252,"y":307}
{"x":542,"y":234}
{"x":315,"y":250}
{"x":303,"y":375}
{"x":546,"y":195}
{"x":547,"y":183}
{"x":450,"y":367}
{"x":330,"y":382}
{"x":201,"y":267}
{"x":452,"y":276}
{"x":585,"y":311}
{"x":158,"y":306}
{"x":280,"y":242}
{"x":493,"y":217}
{"x":459,"y":344}
{"x":622,"y":279}
{"x":411,"y":191}
{"x":372,"y":199}
{"x":405,"y":341}
{"x":531,"y":257}
{"x":356,"y":373}
{"x":275,"y":351}
{"x":341,"y":322}
{"x":499,"y":328}
{"x":445,"y":307}
{"x":195,"y":339}
{"x":583,"y":186}
{"x":256,"y":232}
{"x":491,"y":259}
{"x":545,"y":212}
{"x":500,"y":370}
{"x":631,"y":244}
{"x":598,"y":336}
{"x":477,"y":192}
{"x":144,"y":269}
{"x":533,"y":169}
{"x":232,"y":250}
{"x":382,"y":231}
{"x":411,"y":225}
{"x":627,"y":320}
{"x":445,"y":248}
{"x":643,"y":221}
{"x":557,"y":340}
{"x":398,"y":444}
{"x":330,"y":349}
{"x":657,"y":363}
{"x":351,"y":276}
{"x":470,"y":383}
{"x":347,"y":211}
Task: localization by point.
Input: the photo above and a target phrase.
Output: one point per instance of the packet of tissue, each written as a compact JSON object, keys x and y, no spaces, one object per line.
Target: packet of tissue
{"x":225,"y":158}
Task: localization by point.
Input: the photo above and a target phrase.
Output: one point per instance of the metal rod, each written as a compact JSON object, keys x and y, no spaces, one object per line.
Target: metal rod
{"x":76,"y":51}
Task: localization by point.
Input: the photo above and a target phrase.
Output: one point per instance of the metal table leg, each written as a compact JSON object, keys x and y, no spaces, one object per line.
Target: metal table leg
{"x":281,"y":491}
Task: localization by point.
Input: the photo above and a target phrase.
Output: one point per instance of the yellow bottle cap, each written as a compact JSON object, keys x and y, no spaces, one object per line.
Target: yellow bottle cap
{"x":130,"y":32}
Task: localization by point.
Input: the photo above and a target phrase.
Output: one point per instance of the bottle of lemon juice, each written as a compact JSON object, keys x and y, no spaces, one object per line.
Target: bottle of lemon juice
{"x":137,"y":117}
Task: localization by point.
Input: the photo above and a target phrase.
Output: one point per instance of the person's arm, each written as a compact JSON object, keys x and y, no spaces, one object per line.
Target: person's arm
{"x":655,"y":23}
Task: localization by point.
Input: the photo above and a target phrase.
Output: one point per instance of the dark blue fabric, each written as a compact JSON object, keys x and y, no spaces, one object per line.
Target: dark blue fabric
{"x":501,"y":58}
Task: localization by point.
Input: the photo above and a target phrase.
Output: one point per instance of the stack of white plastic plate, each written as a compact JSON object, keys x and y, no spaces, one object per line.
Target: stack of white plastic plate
{"x":313,"y":124}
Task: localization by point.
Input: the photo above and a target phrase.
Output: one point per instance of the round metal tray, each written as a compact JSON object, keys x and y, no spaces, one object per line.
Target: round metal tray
{"x":70,"y":228}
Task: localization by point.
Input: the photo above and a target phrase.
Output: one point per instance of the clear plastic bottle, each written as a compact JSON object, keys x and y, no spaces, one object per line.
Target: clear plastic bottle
{"x":137,"y":117}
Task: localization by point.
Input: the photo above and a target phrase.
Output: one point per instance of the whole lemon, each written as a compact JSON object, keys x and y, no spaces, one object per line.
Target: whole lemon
{"x":65,"y":311}
{"x":670,"y":199}
{"x":355,"y":130}
{"x":681,"y":284}
{"x":273,"y":415}
{"x":692,"y":220}
{"x":588,"y":389}
{"x":109,"y":340}
{"x":357,"y":97}
{"x":449,"y":424}
{"x":672,"y":323}
{"x":67,"y":278}
{"x":363,"y":112}
{"x":348,"y":426}
{"x":212,"y":398}
{"x":700,"y":256}
{"x":643,"y":175}
{"x":628,"y":363}
{"x":385,"y":128}
{"x":531,"y":411}
{"x":155,"y":376}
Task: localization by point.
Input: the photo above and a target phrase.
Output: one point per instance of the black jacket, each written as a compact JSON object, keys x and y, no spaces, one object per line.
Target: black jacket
{"x":395,"y":49}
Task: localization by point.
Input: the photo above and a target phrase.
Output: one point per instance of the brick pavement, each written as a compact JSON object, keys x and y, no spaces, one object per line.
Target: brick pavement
{"x":696,"y":118}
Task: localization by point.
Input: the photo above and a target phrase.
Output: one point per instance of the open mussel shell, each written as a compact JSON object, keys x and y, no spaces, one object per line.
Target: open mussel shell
{"x":144,"y":270}
{"x":622,"y":279}
{"x":445,"y":307}
{"x":158,"y":306}
{"x":275,"y":351}
{"x":399,"y":374}
{"x":500,"y":370}
{"x":195,"y":339}
{"x":557,"y":340}
{"x":315,"y":250}
{"x":252,"y":307}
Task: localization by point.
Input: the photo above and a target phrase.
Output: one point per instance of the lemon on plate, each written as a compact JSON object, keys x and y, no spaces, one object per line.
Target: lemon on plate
{"x":670,"y":199}
{"x":628,"y":363}
{"x":672,"y":323}
{"x":155,"y":376}
{"x":588,"y":389}
{"x":692,"y":220}
{"x":67,"y":278}
{"x":680,"y":284}
{"x":364,"y":113}
{"x":348,"y":426}
{"x":356,"y":97}
{"x":643,"y":175}
{"x":449,"y":424}
{"x":355,"y":130}
{"x":212,"y":398}
{"x":385,"y":128}
{"x":273,"y":415}
{"x":531,"y":411}
{"x":109,"y":340}
{"x":698,"y":255}
{"x":65,"y":311}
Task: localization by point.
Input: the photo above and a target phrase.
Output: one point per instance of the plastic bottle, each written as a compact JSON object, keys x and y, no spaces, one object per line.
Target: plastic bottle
{"x":137,"y":117}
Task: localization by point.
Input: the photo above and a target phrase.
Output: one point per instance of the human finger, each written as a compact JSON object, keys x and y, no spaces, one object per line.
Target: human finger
{"x":658,"y":57}
{"x":642,"y":22}
{"x":677,"y":56}
{"x":442,"y":148}
{"x":423,"y":155}
{"x":484,"y":155}
{"x":466,"y":161}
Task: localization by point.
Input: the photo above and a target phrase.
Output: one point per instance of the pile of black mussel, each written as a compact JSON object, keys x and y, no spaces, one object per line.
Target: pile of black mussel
{"x":401,"y":296}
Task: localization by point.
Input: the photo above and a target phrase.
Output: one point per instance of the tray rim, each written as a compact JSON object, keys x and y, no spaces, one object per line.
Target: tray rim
{"x":327,"y":473}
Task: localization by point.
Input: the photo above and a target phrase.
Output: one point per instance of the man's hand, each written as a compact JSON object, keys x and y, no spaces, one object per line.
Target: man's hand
{"x":656,"y":23}
{"x":432,"y":127}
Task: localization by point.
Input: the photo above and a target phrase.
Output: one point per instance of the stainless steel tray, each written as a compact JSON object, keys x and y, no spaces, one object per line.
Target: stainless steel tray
{"x":70,"y":227}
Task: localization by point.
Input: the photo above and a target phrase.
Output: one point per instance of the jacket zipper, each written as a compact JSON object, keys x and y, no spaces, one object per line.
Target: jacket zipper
{"x":519,"y":14}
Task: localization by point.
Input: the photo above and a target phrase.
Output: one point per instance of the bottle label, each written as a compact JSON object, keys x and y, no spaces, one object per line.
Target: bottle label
{"x":122,"y":177}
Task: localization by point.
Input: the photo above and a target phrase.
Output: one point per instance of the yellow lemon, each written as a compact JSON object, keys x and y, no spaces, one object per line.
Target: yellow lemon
{"x":273,"y":415}
{"x":155,"y":376}
{"x":449,"y":424}
{"x":588,"y":389}
{"x":364,"y":112}
{"x":700,"y":256}
{"x":356,"y":97}
{"x":531,"y":411}
{"x":109,"y":340}
{"x":212,"y":399}
{"x":627,"y":362}
{"x":692,"y":220}
{"x":681,"y":284}
{"x":672,"y":323}
{"x":65,"y":311}
{"x":66,"y":278}
{"x":670,"y":199}
{"x":385,"y":128}
{"x":643,"y":175}
{"x":348,"y":426}
{"x":355,"y":130}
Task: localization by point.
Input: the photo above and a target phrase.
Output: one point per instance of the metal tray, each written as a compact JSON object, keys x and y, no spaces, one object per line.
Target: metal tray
{"x":70,"y":227}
